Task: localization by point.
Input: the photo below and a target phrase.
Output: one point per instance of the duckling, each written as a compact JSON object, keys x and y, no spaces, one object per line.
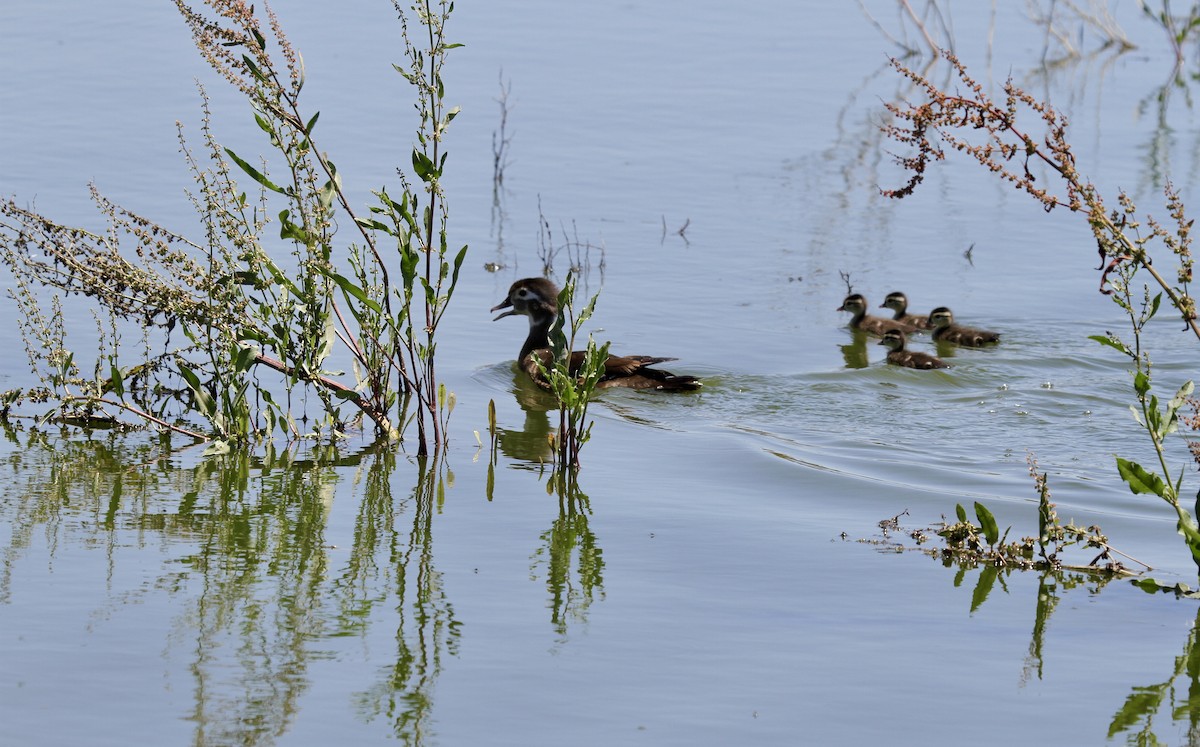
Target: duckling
{"x":898,"y":356}
{"x":898,"y":302}
{"x":945,"y":330}
{"x":537,"y":298}
{"x":857,"y":305}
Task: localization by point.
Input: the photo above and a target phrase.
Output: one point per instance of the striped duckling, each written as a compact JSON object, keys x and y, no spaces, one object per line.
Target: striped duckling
{"x":857,"y":305}
{"x":898,"y":356}
{"x":945,"y":330}
{"x":898,"y":303}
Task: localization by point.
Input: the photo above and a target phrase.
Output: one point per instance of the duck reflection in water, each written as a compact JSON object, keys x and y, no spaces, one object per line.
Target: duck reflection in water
{"x":532,"y":443}
{"x":855,"y":354}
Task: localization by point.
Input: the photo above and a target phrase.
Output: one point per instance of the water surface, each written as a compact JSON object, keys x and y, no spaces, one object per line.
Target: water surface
{"x":709,"y":587}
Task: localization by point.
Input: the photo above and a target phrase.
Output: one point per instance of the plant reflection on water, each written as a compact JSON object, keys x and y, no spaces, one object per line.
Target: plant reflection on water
{"x":1135,"y":718}
{"x":570,"y":555}
{"x":264,"y":584}
{"x":263,"y":580}
{"x":1144,"y":703}
{"x":271,"y":593}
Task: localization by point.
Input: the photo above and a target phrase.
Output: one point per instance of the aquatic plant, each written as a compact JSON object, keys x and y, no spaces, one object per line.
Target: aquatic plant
{"x":242,"y":308}
{"x":1179,"y":29}
{"x":970,"y":546}
{"x":992,"y":134}
{"x":572,"y":385}
{"x":578,"y":251}
{"x":983,"y":543}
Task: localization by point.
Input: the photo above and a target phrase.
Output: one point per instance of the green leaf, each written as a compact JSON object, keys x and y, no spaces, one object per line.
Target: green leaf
{"x":458,"y":260}
{"x":1173,"y":406}
{"x":248,"y":277}
{"x":208,"y":407}
{"x":278,"y":276}
{"x":328,"y":341}
{"x":962,"y":513}
{"x":290,"y":230}
{"x":264,"y":125}
{"x":1154,"y":304}
{"x":1154,"y":417}
{"x":255,"y":174}
{"x":409,"y":258}
{"x":423,"y":166}
{"x":117,"y":382}
{"x":347,"y":394}
{"x":1139,"y":479}
{"x":244,"y":358}
{"x":991,"y":531}
{"x":327,"y":192}
{"x":374,"y":225}
{"x":1112,"y":342}
{"x":1137,"y":416}
{"x":1141,"y":383}
{"x":350,"y":289}
{"x":253,"y":68}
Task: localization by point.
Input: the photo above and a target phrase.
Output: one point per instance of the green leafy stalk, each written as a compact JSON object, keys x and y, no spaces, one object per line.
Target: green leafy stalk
{"x":573,"y":377}
{"x":993,"y":133}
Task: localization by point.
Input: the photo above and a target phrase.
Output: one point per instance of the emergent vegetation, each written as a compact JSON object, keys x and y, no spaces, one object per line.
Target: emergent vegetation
{"x":994,"y":134}
{"x":244,"y":305}
{"x":572,"y":389}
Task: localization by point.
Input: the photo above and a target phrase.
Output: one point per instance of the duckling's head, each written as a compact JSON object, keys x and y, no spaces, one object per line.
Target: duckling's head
{"x":536,"y":298}
{"x":940,"y":317}
{"x":896,"y":301}
{"x":854,"y":303}
{"x":894,"y":339}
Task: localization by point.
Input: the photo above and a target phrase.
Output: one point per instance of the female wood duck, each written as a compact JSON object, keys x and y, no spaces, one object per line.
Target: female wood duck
{"x":898,"y":356}
{"x":857,"y":305}
{"x":898,"y":302}
{"x":945,"y":330}
{"x":537,"y":298}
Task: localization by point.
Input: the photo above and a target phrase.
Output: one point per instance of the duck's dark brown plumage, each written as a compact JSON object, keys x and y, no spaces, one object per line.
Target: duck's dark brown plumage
{"x":945,"y":330}
{"x":898,"y":303}
{"x":898,"y":356}
{"x":857,"y":305}
{"x":537,"y":298}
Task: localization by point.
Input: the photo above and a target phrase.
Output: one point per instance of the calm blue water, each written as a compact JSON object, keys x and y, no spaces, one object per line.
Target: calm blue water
{"x":712,"y":590}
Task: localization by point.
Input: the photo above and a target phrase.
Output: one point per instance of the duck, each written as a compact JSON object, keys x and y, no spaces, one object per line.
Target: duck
{"x":537,"y":298}
{"x":857,"y":305}
{"x":898,"y":356}
{"x":898,"y":302}
{"x":941,"y":320}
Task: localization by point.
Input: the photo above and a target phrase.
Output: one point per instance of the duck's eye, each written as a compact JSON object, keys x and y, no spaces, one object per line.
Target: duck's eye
{"x":522,"y":293}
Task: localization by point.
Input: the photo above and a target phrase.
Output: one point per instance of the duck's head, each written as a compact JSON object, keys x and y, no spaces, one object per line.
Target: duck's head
{"x":536,"y":298}
{"x":854,"y":303}
{"x":894,"y":339}
{"x":940,"y":317}
{"x":895,"y":301}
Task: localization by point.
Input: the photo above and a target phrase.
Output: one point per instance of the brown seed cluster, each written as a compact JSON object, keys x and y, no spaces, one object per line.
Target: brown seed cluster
{"x":1021,"y":139}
